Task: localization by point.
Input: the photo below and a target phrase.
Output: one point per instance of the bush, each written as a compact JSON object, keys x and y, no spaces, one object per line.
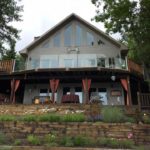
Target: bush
{"x":17,"y":142}
{"x":7,"y":118}
{"x":49,"y":118}
{"x":126,"y":144}
{"x":29,"y":118}
{"x":130,"y":119}
{"x":50,"y":138}
{"x":81,"y":141}
{"x":73,"y":118}
{"x":66,"y":141}
{"x":113,"y":115}
{"x":146,"y":119}
{"x":34,"y":140}
{"x":2,"y":138}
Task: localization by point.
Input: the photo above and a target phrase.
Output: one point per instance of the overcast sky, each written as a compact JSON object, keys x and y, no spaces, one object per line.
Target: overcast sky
{"x":40,"y":15}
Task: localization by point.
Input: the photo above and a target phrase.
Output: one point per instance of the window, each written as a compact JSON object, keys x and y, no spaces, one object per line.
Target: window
{"x":68,"y":62}
{"x":46,"y":44}
{"x":57,"y":40}
{"x":101,"y":62}
{"x":78,"y":40}
{"x":90,"y":39}
{"x":67,"y":36}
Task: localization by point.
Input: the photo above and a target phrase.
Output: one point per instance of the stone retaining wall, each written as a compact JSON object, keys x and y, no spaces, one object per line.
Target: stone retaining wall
{"x":20,"y":130}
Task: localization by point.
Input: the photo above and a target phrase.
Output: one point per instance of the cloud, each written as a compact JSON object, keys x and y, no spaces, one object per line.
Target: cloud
{"x":41,"y":15}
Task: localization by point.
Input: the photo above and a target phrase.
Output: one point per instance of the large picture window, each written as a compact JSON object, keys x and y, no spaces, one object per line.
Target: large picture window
{"x":57,"y":40}
{"x":67,"y":36}
{"x":79,"y":36}
{"x":90,"y":39}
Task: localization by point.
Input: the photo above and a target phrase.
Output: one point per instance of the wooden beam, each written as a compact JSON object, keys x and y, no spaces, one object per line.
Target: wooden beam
{"x":129,"y":90}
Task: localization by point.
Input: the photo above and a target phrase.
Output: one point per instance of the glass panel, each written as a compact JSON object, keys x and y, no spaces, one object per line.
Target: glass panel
{"x":46,"y":44}
{"x":57,"y":40}
{"x":45,"y":63}
{"x":90,"y":39}
{"x":103,"y":95}
{"x":68,"y":62}
{"x":43,"y":92}
{"x":34,"y":64}
{"x":78,"y":91}
{"x":66,"y":90}
{"x":53,"y":63}
{"x":101,"y":62}
{"x":91,"y":62}
{"x":78,"y":40}
{"x":67,"y":36}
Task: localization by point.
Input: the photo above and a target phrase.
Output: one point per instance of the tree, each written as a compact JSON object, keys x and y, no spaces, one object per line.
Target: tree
{"x":9,"y":12}
{"x":131,"y":19}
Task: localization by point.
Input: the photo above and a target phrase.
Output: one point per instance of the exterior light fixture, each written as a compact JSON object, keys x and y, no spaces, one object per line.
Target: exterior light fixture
{"x":113,"y":77}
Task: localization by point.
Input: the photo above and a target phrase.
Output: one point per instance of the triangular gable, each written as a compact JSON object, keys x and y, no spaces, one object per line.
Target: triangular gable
{"x":68,"y":19}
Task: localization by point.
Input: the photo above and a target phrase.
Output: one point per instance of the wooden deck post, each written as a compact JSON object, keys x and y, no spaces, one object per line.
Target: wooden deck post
{"x":129,"y":91}
{"x":139,"y":102}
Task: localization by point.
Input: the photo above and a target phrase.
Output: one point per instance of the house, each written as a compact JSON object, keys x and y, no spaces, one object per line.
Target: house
{"x":73,"y":62}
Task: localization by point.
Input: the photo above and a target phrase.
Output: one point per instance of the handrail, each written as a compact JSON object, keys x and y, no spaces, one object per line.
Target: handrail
{"x":7,"y":65}
{"x":134,"y":67}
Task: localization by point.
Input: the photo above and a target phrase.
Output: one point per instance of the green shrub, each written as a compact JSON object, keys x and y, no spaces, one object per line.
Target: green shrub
{"x":113,"y":115}
{"x":103,"y":142}
{"x":29,"y":118}
{"x":2,"y":138}
{"x":66,"y":141}
{"x":130,"y":119}
{"x":126,"y":144}
{"x":81,"y":141}
{"x":49,"y":118}
{"x":34,"y":140}
{"x":50,"y":138}
{"x":17,"y":142}
{"x":146,"y":119}
{"x":7,"y":118}
{"x":73,"y":118}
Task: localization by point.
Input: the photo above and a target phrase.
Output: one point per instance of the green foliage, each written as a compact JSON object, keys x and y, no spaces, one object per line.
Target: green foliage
{"x":7,"y":118}
{"x":114,"y":143}
{"x":9,"y":13}
{"x":146,"y":119}
{"x":50,"y":138}
{"x":130,"y":19}
{"x":73,"y":118}
{"x":2,"y":138}
{"x":29,"y":118}
{"x":17,"y":142}
{"x":49,"y":118}
{"x":130,"y":119}
{"x":66,"y":141}
{"x":20,"y":63}
{"x":34,"y":140}
{"x":81,"y":141}
{"x":113,"y":114}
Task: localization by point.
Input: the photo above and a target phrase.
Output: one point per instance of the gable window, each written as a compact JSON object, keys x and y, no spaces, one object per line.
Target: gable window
{"x":57,"y":40}
{"x":78,"y":40}
{"x":90,"y":39}
{"x":46,"y":44}
{"x":67,"y":36}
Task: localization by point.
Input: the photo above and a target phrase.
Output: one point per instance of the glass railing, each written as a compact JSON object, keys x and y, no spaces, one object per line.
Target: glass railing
{"x":114,"y":63}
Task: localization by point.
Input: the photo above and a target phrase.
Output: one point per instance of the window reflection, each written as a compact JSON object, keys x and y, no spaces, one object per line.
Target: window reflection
{"x":90,"y":39}
{"x":57,"y":40}
{"x":67,"y":36}
{"x":78,"y":40}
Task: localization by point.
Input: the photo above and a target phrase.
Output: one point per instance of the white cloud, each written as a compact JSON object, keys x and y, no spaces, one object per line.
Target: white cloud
{"x":41,"y":15}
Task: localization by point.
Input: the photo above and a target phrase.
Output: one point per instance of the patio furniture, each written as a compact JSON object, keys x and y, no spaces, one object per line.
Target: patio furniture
{"x":70,"y":98}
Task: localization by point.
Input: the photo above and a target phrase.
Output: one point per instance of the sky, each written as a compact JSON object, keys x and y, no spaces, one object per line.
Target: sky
{"x":41,"y":15}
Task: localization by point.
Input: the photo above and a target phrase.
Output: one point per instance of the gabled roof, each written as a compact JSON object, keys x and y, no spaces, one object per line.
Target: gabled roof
{"x":63,"y":23}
